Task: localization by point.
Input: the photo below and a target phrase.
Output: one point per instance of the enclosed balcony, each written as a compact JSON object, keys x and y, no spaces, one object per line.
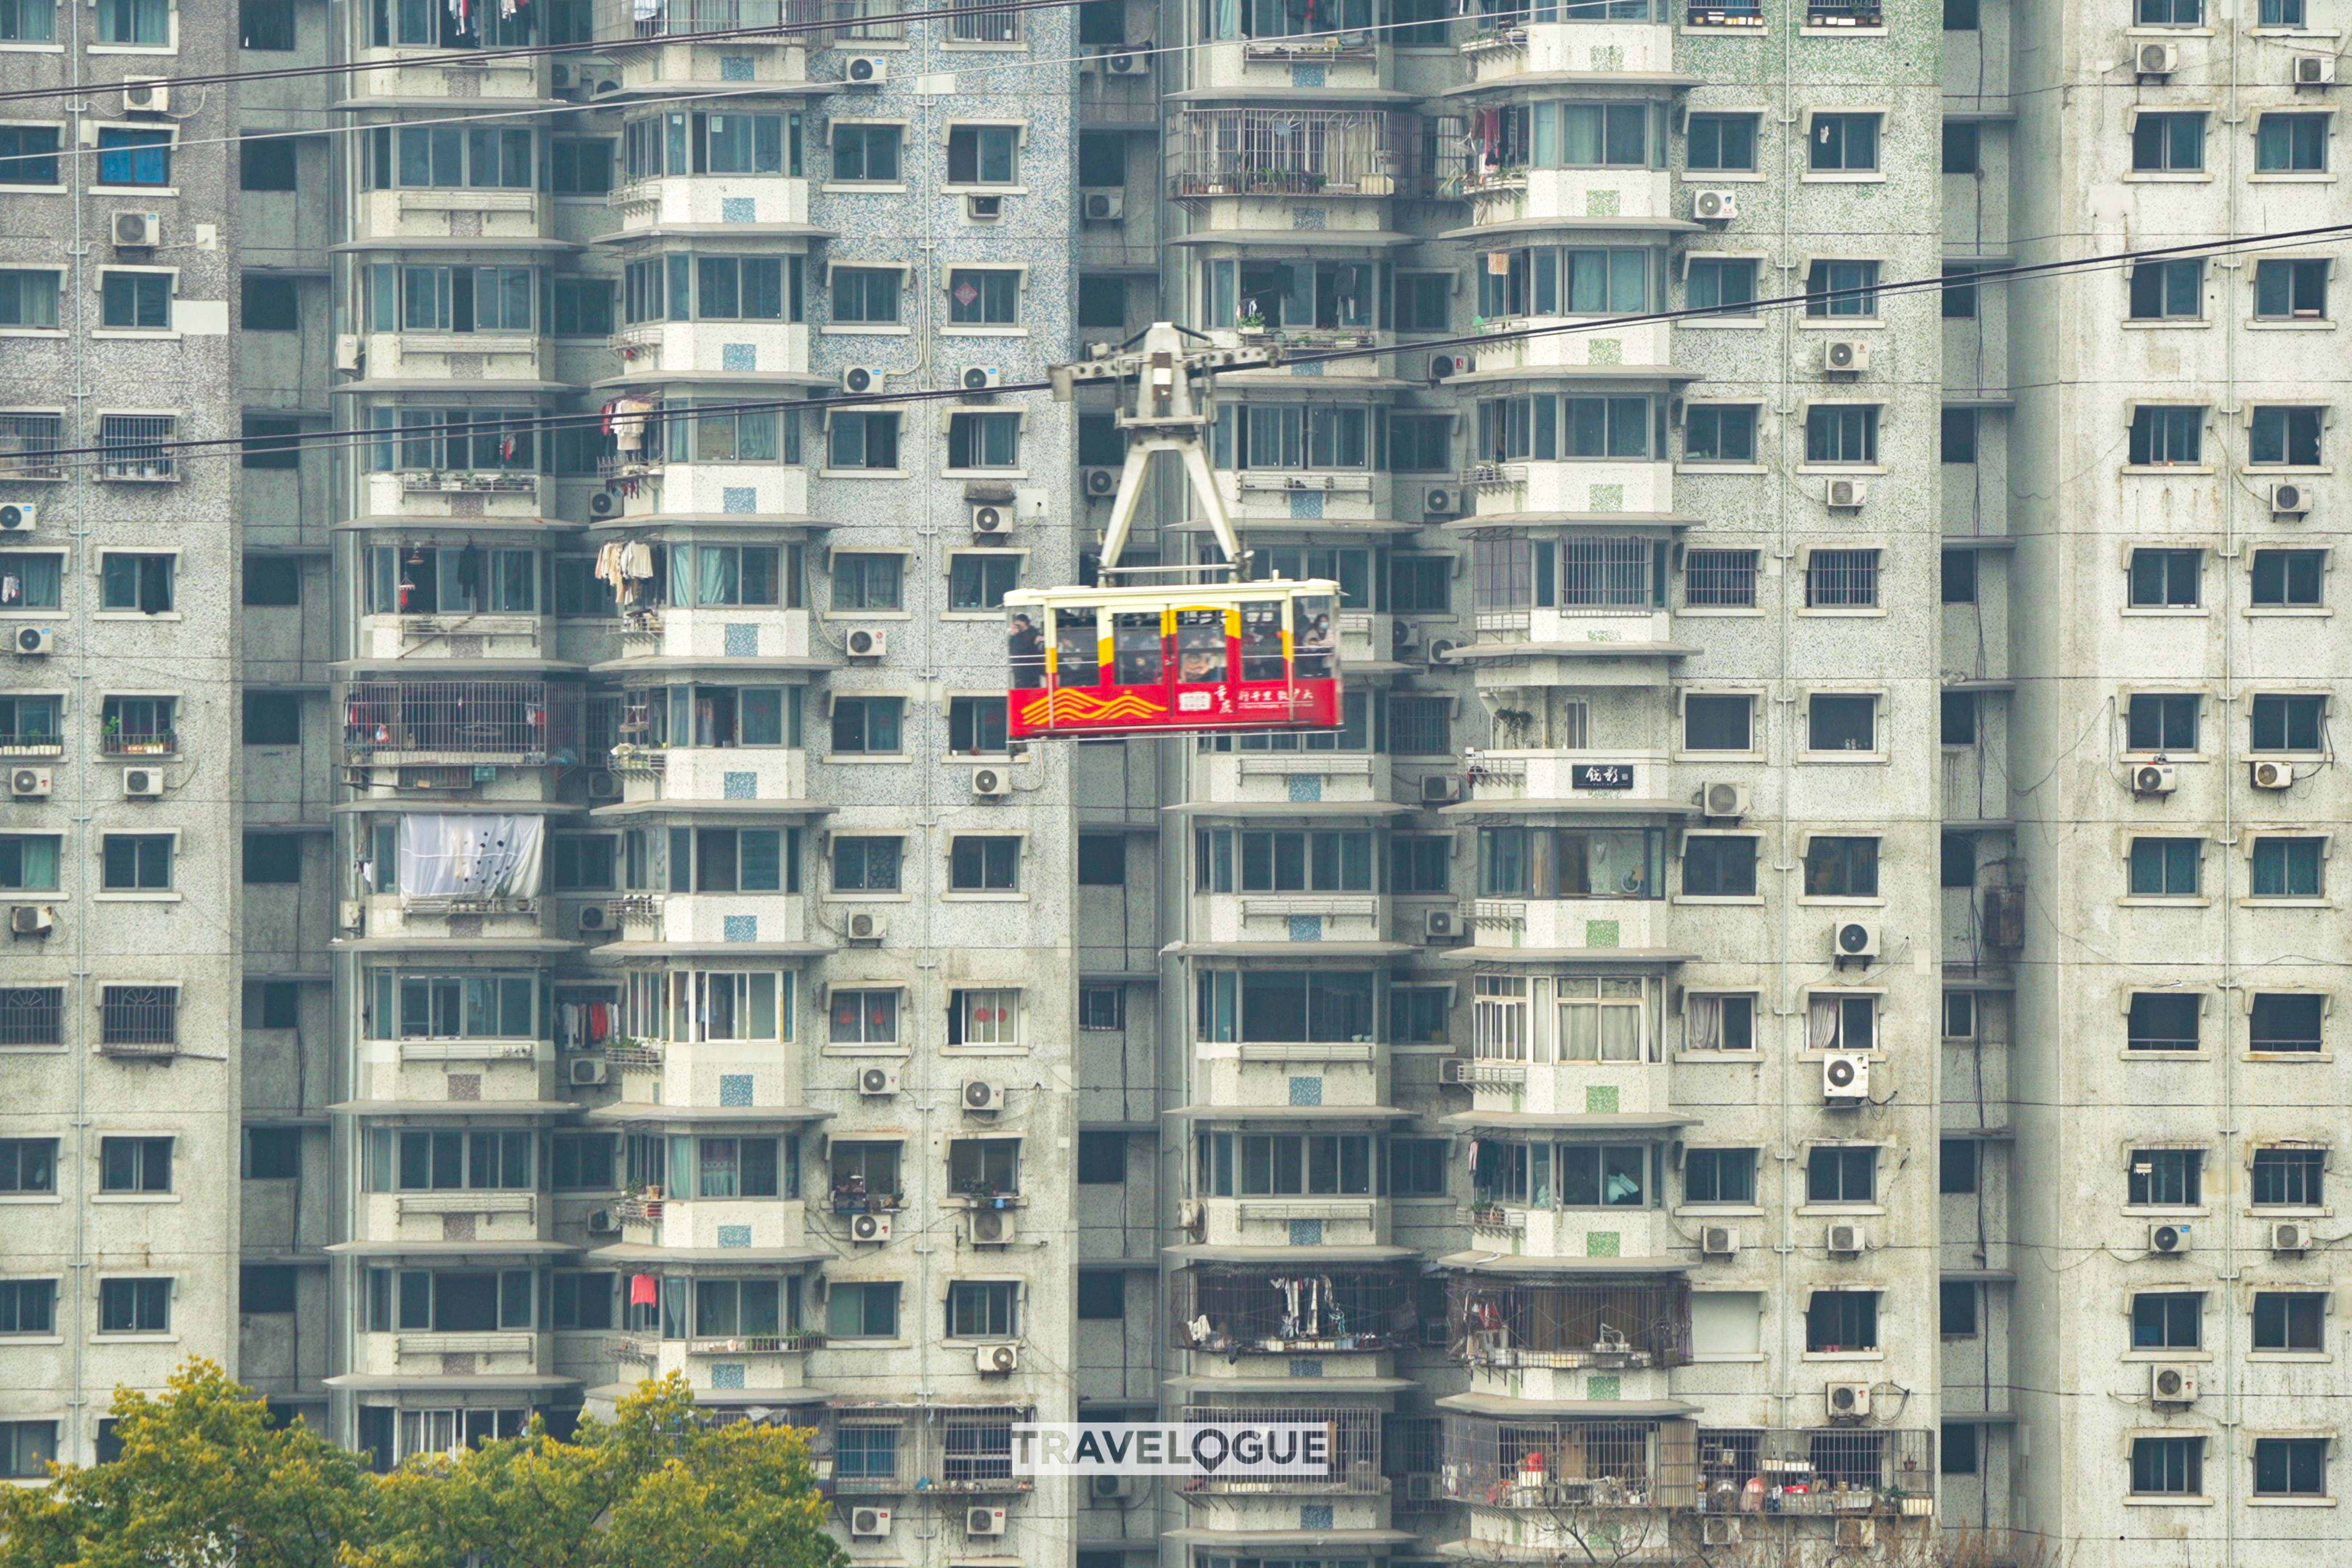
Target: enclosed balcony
{"x":1567,"y":162}
{"x":1342,"y":46}
{"x":881,"y":1448}
{"x":454,"y":1323}
{"x":708,"y":741}
{"x":667,"y":459}
{"x":1582,"y":886}
{"x":452,"y":1185}
{"x":1546,"y":452}
{"x":391,"y":35}
{"x":1506,"y":39}
{"x":1577,"y":1192}
{"x":708,"y":596}
{"x":475,"y":596}
{"x":423,"y":723}
{"x":1561,"y":1466}
{"x":1350,"y":1442}
{"x":476,"y":467}
{"x":1226,"y":1309}
{"x":652,"y":43}
{"x":1285,"y":154}
{"x":470,"y":876}
{"x":1293,"y":1176}
{"x":1634,"y":1322}
{"x":688,"y":166}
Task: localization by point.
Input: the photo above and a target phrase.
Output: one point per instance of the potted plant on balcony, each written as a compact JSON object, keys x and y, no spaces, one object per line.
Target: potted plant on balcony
{"x":1512,"y":725}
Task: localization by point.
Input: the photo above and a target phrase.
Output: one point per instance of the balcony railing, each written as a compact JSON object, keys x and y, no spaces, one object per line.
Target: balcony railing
{"x":1625,"y":1322}
{"x":760,"y":1344}
{"x":516,"y":721}
{"x":669,"y":17}
{"x":1558,"y":1466}
{"x":1228,"y":1309}
{"x":1296,"y":153}
{"x":142,"y":742}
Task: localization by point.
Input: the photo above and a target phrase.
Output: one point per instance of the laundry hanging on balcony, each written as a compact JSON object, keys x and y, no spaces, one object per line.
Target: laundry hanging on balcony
{"x":468,"y":856}
{"x":628,"y":566}
{"x":625,"y":422}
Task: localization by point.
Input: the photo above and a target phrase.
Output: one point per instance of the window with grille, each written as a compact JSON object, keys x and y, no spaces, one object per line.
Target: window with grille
{"x":1419,"y":726}
{"x":1841,"y":579}
{"x":1610,"y":574}
{"x":133,"y":446}
{"x":29,"y":443}
{"x":1102,"y":1008}
{"x":32,"y":1015}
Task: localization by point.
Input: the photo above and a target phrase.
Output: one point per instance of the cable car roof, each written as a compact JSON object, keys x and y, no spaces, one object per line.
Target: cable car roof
{"x":1207,"y":596}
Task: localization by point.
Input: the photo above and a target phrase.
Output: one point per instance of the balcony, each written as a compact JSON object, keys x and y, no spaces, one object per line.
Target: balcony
{"x":160,"y":742}
{"x":1259,"y":1311}
{"x":1271,"y":778}
{"x":623,"y":25}
{"x":1288,"y":154}
{"x":1555,"y":1466}
{"x":1638,"y":1322}
{"x":1353,"y":1434}
{"x":1615,"y":781}
{"x":513,"y":723}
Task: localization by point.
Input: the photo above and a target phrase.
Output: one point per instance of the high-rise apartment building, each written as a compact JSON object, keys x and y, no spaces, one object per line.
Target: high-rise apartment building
{"x":1792,"y":1016}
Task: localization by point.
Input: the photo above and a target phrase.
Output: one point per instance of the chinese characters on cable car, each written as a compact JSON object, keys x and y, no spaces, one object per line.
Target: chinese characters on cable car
{"x":1258,"y":656}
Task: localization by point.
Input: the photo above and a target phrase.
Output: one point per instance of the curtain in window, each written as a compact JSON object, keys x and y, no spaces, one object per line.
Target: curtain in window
{"x":470,"y":857}
{"x":1821,"y":1022}
{"x":1704,"y":1022}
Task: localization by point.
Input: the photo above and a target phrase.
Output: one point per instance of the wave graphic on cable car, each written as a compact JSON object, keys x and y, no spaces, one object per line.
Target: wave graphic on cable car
{"x":1075,"y":705}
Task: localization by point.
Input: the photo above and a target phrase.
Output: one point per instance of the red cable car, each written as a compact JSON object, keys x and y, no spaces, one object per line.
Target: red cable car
{"x":1176,"y":657}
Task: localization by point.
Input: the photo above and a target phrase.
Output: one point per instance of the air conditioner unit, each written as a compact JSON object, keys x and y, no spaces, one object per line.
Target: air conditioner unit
{"x":350,"y":915}
{"x":1718,"y":1241}
{"x":977,"y":208}
{"x":864,"y":643}
{"x":1440,"y":789}
{"x":878,"y":1081}
{"x":2170,"y":1382}
{"x":1847,"y":1240}
{"x":1845,"y":356}
{"x":991,"y":1227}
{"x":1421,"y":1485}
{"x":2156,"y":59}
{"x":1404,"y":637}
{"x":869,"y":1522}
{"x":1099,"y":483}
{"x":872,"y":1227}
{"x":1442,"y":366}
{"x":31,"y":920}
{"x":869,"y":927}
{"x":1847,"y":1401}
{"x":1441,"y":501}
{"x":1718,"y":1529}
{"x":603,"y":784}
{"x":1715,"y":206}
{"x":588,"y":1072}
{"x":36,"y":642}
{"x":2288,"y":500}
{"x":1439,"y":650}
{"x":135,"y":231}
{"x":30,"y":783}
{"x":1440,"y":925}
{"x":998,"y":1358}
{"x":1853,"y":939}
{"x":1133,"y":60}
{"x":2154,"y":778}
{"x":1102,"y":207}
{"x":146,"y":95}
{"x":866,"y":71}
{"x":991,"y":522}
{"x":862,"y":378}
{"x":989,"y":783}
{"x":2314,"y":70}
{"x":604,"y":503}
{"x":1110,"y":1489}
{"x":2270,"y":775}
{"x":2291,"y":1236}
{"x":2168,"y":1240}
{"x":1724,"y":800}
{"x":984,"y":1522}
{"x":1847,"y":495}
{"x":18,"y":518}
{"x":593,"y":919}
{"x":142,"y":783}
{"x":982,"y":377}
{"x":1845,"y":1077}
{"x":981,"y":1094}
{"x":602,"y":1223}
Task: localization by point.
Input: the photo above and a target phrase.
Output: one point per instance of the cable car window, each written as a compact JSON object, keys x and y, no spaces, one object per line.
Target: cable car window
{"x":1026,"y":644}
{"x":1262,"y":640}
{"x":1075,"y":656}
{"x":1313,"y":637}
{"x":1135,"y":641}
{"x":1200,"y":647}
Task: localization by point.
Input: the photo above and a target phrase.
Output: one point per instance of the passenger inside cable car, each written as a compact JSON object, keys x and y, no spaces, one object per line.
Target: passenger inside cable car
{"x":1269,"y":661}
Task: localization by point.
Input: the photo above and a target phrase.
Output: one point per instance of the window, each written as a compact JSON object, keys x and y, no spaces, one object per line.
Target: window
{"x":2289,"y":579}
{"x":983,"y":440}
{"x":580,"y":165}
{"x":1842,"y":433}
{"x":1102,"y":1158}
{"x":1102,"y":859}
{"x":2286,"y":437}
{"x":1719,"y":1176}
{"x":2161,"y":722}
{"x":280,"y":1006}
{"x":865,"y":1017}
{"x":1835,"y":1173}
{"x":266,"y":1289}
{"x":2289,"y":868}
{"x":1417,"y":1167}
{"x":866,"y":154}
{"x":983,"y":863}
{"x":1958,"y":297}
{"x":2285,"y":1021}
{"x":27,"y":299}
{"x":1720,"y":433}
{"x":1957,"y":857}
{"x":1718,"y":866}
{"x":1718,"y":579}
{"x":273,"y":1154}
{"x":1102,"y":300}
{"x":1959,"y":1015}
{"x":1420,"y":1015}
{"x":2167,"y":1466}
{"x":1959,"y":1168}
{"x":1720,"y":1023}
{"x":2168,"y":291}
{"x":1841,"y":722}
{"x":266,"y":162}
{"x":2284,"y":290}
{"x":1843,"y":143}
{"x":2167,"y":1319}
{"x":984,"y":154}
{"x":1841,"y":288}
{"x":2290,"y":1320}
{"x":136,"y":301}
{"x":2167,"y":579}
{"x":2166,"y":1178}
{"x":1956,"y":1310}
{"x":28,"y":22}
{"x":1721,"y":143}
{"x":418,"y":1162}
{"x":134,"y":1306}
{"x":2289,"y":1177}
{"x":28,"y":1164}
{"x":28,"y":1448}
{"x":1725,"y":284}
{"x":138,"y":584}
{"x":133,"y":157}
{"x":29,"y":721}
{"x":2167,"y":436}
{"x":28,"y":863}
{"x":983,"y":296}
{"x":28,"y":154}
{"x":1286,"y":862}
{"x":580,"y":1162}
{"x":273,"y":717}
{"x":1419,"y":726}
{"x":736,"y":288}
{"x":1102,"y":1008}
{"x":868,"y":583}
{"x":866,"y":295}
{"x":2168,"y":13}
{"x":273,"y":859}
{"x":1102,"y":1295}
{"x":1841,"y":1320}
{"x":2172,"y":142}
{"x":2164,"y":1021}
{"x":1841,"y":867}
{"x":1958,"y":725}
{"x":1284,"y":1005}
{"x":2291,"y":1467}
{"x":2281,"y":13}
{"x":985,"y":1017}
{"x":866,"y":865}
{"x":136,"y":725}
{"x":134,"y":1164}
{"x":27,"y":1307}
{"x":2291,"y":144}
{"x":863,"y":441}
{"x":2285,"y":724}
{"x":476,"y":1006}
{"x":867,"y":726}
{"x":1960,"y":148}
{"x":981,"y":582}
{"x":136,"y":862}
{"x":1102,"y":158}
{"x":976,"y":726}
{"x":982,"y":1308}
{"x":2166,"y":868}
{"x":134,"y":21}
{"x":1960,"y":1450}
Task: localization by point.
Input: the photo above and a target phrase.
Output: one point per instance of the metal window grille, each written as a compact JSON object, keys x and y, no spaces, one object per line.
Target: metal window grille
{"x":132,"y":446}
{"x":32,"y":1015}
{"x":1353,"y":1438}
{"x":1550,"y":1466}
{"x":1719,"y":577}
{"x":1419,"y":727}
{"x":1605,"y":574}
{"x":1618,"y":1322}
{"x":1275,"y":151}
{"x":1846,"y":579}
{"x":517,"y":720}
{"x":976,"y":22}
{"x":29,"y":444}
{"x":1258,"y":1309}
{"x":869,"y":1448}
{"x":139,"y":1020}
{"x":865,"y":20}
{"x":1725,"y":12}
{"x":975,"y":1451}
{"x":1843,"y":13}
{"x":1413,"y":1447}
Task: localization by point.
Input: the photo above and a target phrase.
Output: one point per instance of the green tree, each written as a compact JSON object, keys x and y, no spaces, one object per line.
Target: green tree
{"x":204,"y":1478}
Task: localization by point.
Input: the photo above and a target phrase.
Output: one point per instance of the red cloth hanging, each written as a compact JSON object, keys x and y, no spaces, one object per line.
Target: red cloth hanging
{"x":645,"y":1291}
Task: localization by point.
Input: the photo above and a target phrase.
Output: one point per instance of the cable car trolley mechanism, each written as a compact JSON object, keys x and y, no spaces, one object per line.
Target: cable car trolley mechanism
{"x":1130,"y":657}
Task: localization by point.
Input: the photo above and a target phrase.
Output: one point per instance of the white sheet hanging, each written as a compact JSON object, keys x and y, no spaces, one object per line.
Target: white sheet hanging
{"x":470,"y":857}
